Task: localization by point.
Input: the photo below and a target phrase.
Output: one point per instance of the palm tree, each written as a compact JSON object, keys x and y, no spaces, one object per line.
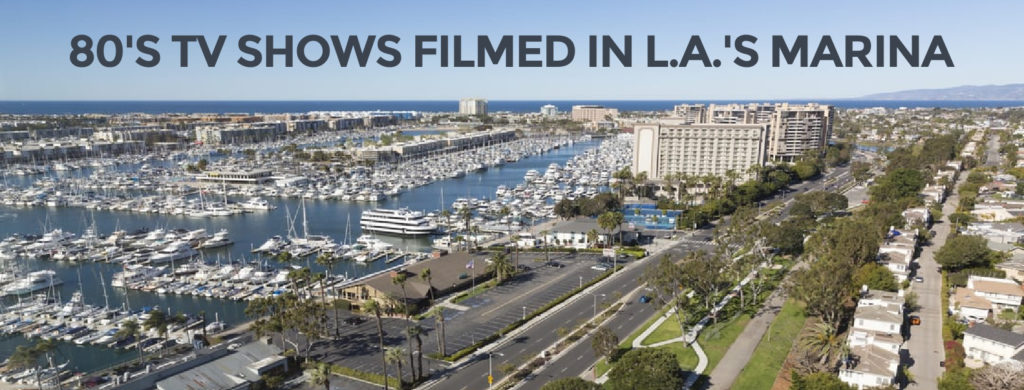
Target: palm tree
{"x":399,"y":279}
{"x":641,"y":178}
{"x":425,"y":276}
{"x":447,"y":215}
{"x":504,"y":213}
{"x":371,"y":306}
{"x":416,"y":331}
{"x":438,"y":313}
{"x":592,"y":237}
{"x":330,"y":261}
{"x":130,"y":328}
{"x":823,"y":340}
{"x":394,"y":356}
{"x":321,"y":375}
{"x":28,"y":357}
{"x":467,"y":215}
{"x":501,"y":267}
{"x":545,"y":233}
{"x":298,"y":277}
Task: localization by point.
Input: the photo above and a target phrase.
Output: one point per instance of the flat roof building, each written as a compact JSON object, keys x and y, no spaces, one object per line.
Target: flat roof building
{"x":698,"y":149}
{"x":592,"y":113}
{"x":473,"y":106}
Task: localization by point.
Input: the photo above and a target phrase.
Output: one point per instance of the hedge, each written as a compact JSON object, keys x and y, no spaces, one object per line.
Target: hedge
{"x":362,"y":375}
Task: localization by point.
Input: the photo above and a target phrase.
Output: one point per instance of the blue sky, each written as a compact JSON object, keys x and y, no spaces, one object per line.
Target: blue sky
{"x":982,"y":38}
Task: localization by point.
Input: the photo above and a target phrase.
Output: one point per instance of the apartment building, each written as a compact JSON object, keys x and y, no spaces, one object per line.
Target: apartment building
{"x":795,"y":129}
{"x":592,"y":113}
{"x":698,"y":149}
{"x":473,"y":106}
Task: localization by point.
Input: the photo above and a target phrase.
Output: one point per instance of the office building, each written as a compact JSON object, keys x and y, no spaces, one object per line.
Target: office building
{"x":549,"y":110}
{"x":473,"y":106}
{"x":689,"y":113}
{"x":698,"y":149}
{"x":591,"y":113}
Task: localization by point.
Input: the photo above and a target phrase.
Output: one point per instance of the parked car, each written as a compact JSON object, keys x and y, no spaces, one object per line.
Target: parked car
{"x":555,"y":264}
{"x":354,"y":320}
{"x":599,"y":267}
{"x":919,"y":279}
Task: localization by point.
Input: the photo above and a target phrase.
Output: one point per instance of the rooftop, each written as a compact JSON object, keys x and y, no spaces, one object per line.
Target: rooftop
{"x":989,"y":332}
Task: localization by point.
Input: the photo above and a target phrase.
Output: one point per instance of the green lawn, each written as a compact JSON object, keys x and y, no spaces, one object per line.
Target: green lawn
{"x":715,"y":340}
{"x":771,"y":352}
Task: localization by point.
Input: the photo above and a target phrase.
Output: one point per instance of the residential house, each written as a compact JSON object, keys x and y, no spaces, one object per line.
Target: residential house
{"x":870,"y":366}
{"x":1004,"y":294}
{"x":933,"y":194}
{"x":917,"y":216}
{"x":1014,"y":265}
{"x":990,"y":345}
{"x":1004,"y":232}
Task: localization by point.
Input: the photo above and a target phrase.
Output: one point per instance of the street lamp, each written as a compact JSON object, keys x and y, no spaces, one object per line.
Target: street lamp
{"x":595,"y":303}
{"x":490,"y":371}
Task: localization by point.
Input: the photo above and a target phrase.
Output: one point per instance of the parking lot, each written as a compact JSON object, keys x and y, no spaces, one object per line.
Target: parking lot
{"x":498,"y":307}
{"x":473,"y":318}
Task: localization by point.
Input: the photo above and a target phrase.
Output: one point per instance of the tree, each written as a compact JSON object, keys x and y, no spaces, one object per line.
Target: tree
{"x":608,"y":222}
{"x":592,"y":235}
{"x":1006,"y":375}
{"x":852,"y":240}
{"x":329,"y":261}
{"x":131,"y":329}
{"x":466,"y":214}
{"x":372,"y":306}
{"x":394,"y":356}
{"x":501,"y":267}
{"x":955,"y":379}
{"x":860,"y":170}
{"x":825,"y":287}
{"x":646,"y":368}
{"x":819,"y":381}
{"x":571,"y":383}
{"x":824,"y":342}
{"x":897,"y":184}
{"x":438,"y":314}
{"x":604,"y":342}
{"x":703,"y":273}
{"x":415,"y":331}
{"x":805,"y":169}
{"x":965,"y":252}
{"x":667,"y":281}
{"x":876,"y":277}
{"x":28,"y":357}
{"x":399,"y":279}
{"x":426,"y":277}
{"x":566,"y":209}
{"x":320,"y":375}
{"x":787,"y":237}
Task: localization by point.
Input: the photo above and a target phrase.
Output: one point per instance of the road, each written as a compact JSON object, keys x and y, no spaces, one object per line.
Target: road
{"x":924,"y":348}
{"x":581,"y":357}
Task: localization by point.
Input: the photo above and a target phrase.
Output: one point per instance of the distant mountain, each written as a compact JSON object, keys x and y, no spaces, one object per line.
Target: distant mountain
{"x":965,"y":92}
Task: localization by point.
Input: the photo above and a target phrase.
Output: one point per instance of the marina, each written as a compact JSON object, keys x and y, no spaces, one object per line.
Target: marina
{"x":249,"y":242}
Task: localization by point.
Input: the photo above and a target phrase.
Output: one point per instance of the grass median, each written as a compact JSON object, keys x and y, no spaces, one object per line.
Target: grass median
{"x":771,"y":352}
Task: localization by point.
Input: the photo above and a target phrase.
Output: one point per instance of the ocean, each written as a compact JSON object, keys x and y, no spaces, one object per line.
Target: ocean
{"x":518,"y":106}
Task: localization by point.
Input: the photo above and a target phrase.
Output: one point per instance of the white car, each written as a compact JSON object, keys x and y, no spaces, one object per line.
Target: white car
{"x":599,"y":267}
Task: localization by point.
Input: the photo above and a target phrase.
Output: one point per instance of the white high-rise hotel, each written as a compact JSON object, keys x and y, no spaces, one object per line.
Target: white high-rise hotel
{"x":717,"y":139}
{"x":473,"y":106}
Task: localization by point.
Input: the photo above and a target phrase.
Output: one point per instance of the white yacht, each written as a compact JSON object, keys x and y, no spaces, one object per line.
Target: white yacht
{"x":219,"y":239}
{"x":256,"y":204}
{"x":136,"y":273}
{"x":34,"y":281}
{"x":397,"y":222}
{"x":178,"y":250}
{"x":272,"y":244}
